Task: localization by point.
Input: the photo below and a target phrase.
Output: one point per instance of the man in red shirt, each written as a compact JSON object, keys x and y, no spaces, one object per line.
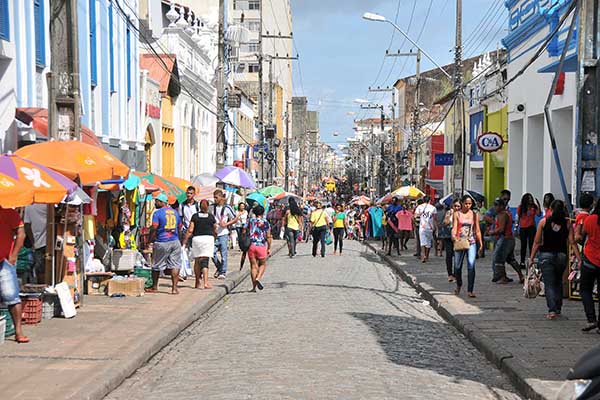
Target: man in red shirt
{"x":12,"y":236}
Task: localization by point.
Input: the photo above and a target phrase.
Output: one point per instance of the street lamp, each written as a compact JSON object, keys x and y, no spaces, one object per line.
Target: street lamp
{"x":380,"y":18}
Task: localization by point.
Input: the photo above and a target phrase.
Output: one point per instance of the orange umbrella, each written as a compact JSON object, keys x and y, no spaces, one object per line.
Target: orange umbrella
{"x":180,"y":182}
{"x":76,"y":160}
{"x":24,"y":182}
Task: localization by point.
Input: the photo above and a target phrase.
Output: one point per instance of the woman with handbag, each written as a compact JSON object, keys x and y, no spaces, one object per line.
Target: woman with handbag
{"x":319,"y":221}
{"x":590,"y":269}
{"x":293,"y":221}
{"x":466,"y":235}
{"x":553,"y":237}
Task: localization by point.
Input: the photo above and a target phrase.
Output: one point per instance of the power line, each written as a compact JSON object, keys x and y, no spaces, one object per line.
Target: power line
{"x":483,"y":22}
{"x":476,"y":43}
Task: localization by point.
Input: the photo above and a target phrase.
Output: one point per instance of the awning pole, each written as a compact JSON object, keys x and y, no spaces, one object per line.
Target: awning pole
{"x":561,"y":176}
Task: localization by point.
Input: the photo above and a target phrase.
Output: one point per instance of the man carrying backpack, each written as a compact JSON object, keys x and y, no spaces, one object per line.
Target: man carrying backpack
{"x":225,"y":217}
{"x":188,"y":209}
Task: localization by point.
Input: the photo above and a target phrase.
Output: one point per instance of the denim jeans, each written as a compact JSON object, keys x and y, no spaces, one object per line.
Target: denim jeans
{"x":590,"y":275}
{"x":319,"y":237}
{"x":221,"y":246}
{"x":459,"y":256}
{"x":449,"y":249}
{"x":504,"y":252}
{"x":9,"y":284}
{"x":292,"y":236}
{"x":553,"y":266}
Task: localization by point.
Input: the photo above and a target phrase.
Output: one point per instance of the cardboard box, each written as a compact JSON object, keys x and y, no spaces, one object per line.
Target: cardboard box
{"x":97,"y":283}
{"x":130,"y":287}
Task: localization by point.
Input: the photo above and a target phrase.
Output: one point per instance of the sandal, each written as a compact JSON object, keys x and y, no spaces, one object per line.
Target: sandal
{"x":21,"y":339}
{"x":552,"y":316}
{"x":471,"y":295}
{"x":151,"y":290}
{"x":457,"y":291}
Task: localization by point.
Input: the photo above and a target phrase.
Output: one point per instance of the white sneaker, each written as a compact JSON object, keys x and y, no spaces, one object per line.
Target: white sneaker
{"x":222,"y":276}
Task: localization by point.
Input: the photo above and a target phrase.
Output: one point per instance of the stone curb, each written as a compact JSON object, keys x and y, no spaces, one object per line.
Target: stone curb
{"x":150,"y":343}
{"x":502,"y":359}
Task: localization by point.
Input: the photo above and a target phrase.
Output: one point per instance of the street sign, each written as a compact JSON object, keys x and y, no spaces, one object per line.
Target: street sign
{"x":444,"y":159}
{"x":234,"y":99}
{"x":489,"y":142}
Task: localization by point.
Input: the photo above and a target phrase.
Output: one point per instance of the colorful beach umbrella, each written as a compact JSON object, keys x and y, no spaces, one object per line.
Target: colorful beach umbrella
{"x":173,"y":192}
{"x":361,"y":201}
{"x":257,"y":198}
{"x":24,"y":182}
{"x":75,"y":160}
{"x":271,"y":191}
{"x":408,"y":192}
{"x":236,"y":177}
{"x":180,"y":182}
{"x":285,"y":197}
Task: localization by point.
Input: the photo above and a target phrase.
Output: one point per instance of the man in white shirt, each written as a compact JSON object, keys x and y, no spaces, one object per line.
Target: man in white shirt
{"x":35,"y":220}
{"x":426,"y":213}
{"x":188,"y":208}
{"x":225,"y":217}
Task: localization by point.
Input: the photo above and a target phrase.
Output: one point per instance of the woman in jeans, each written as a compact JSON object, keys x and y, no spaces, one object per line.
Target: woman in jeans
{"x":292,"y":221}
{"x":465,"y":226}
{"x":526,"y":213}
{"x":445,"y":234}
{"x":553,"y":237}
{"x":319,"y":221}
{"x":590,"y":270}
{"x":340,"y":227}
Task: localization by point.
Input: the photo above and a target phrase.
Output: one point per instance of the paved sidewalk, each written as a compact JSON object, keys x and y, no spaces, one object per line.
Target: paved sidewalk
{"x":88,"y":356}
{"x":510,"y":330}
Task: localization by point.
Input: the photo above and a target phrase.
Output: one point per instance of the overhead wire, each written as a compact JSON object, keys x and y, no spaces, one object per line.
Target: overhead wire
{"x":474,"y":46}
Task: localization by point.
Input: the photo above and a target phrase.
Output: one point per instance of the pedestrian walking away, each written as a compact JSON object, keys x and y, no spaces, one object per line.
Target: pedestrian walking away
{"x":526,"y":213}
{"x":340,"y":227}
{"x":202,"y":232}
{"x":445,"y":234}
{"x":293,"y":220}
{"x":393,"y":228}
{"x":466,"y":235}
{"x":590,"y":268}
{"x":504,"y":250}
{"x":12,"y":236}
{"x":260,"y":235}
{"x":319,"y":222}
{"x":225,"y":217}
{"x":426,"y":213}
{"x":553,"y":237}
{"x":416,"y":225}
{"x":166,"y":248}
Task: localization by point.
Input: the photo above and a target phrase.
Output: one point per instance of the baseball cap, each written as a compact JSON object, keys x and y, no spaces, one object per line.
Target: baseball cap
{"x":162,"y":197}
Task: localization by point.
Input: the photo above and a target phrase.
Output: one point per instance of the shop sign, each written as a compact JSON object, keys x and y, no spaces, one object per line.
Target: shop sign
{"x":490,"y":142}
{"x":444,"y":159}
{"x":153,"y":111}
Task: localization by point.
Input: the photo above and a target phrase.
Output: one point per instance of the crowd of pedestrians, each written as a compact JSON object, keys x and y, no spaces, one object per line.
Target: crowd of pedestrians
{"x":457,"y":229}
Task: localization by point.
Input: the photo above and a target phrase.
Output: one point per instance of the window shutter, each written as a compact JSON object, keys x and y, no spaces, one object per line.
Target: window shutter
{"x":40,"y":34}
{"x":4,"y":23}
{"x":111,"y":46}
{"x":128,"y":62}
{"x":93,"y":60}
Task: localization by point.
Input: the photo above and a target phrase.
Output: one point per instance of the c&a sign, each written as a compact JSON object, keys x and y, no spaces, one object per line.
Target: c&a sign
{"x":490,"y":142}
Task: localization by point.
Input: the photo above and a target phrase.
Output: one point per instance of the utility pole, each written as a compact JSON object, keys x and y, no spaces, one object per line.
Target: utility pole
{"x":221,"y":151}
{"x":382,"y":127}
{"x":414,"y":142}
{"x":393,"y":133}
{"x":261,"y":99}
{"x":64,"y":103}
{"x":459,"y":108}
{"x":287,"y":147}
{"x":588,"y":167}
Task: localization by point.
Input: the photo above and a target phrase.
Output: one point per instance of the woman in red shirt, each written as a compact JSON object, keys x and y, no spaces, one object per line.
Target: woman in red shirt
{"x":590,"y":271}
{"x":526,"y":213}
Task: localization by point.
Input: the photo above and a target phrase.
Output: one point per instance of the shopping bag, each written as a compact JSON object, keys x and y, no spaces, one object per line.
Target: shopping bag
{"x":328,"y":239}
{"x":186,"y":267}
{"x":533,"y":283}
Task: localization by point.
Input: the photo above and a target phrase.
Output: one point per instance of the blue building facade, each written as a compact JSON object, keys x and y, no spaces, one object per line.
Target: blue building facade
{"x":109,"y":71}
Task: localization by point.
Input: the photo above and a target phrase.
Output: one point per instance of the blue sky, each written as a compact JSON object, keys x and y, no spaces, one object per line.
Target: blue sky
{"x":341,"y":53}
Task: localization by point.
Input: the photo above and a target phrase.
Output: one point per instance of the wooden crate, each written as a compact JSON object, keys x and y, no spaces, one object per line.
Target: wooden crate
{"x":130,"y":287}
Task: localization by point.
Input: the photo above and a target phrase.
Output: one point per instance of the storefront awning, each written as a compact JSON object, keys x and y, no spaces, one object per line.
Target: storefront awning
{"x":570,"y":65}
{"x":437,"y":184}
{"x":161,"y":68}
{"x":38,"y":119}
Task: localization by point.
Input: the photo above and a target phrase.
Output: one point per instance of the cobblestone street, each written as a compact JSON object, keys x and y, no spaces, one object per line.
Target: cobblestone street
{"x":337,"y":328}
